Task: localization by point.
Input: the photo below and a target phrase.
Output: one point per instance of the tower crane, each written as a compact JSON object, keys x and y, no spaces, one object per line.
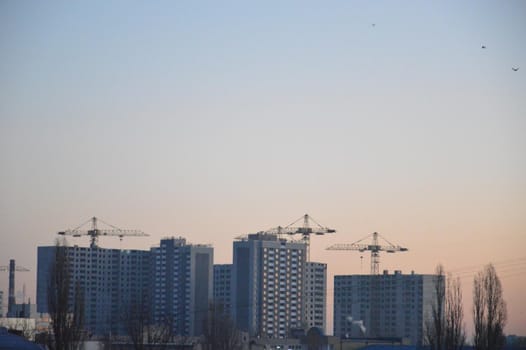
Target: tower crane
{"x":95,"y":232}
{"x":374,"y":247}
{"x":305,"y":231}
{"x":17,"y":268}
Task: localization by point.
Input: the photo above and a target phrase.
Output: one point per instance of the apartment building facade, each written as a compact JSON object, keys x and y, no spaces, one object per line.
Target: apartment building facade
{"x":385,"y":305}
{"x":268,"y":285}
{"x":316,"y":295}
{"x":182,"y":285}
{"x":223,"y":288}
{"x":111,"y":280}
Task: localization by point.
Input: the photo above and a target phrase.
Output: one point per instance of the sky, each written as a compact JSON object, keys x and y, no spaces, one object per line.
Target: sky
{"x":210,"y":120}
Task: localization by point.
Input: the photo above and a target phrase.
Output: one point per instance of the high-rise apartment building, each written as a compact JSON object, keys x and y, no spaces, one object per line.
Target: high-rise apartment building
{"x":111,"y":280}
{"x":223,"y":287}
{"x":268,"y":285}
{"x":386,"y":305}
{"x":315,"y":294}
{"x":182,"y":285}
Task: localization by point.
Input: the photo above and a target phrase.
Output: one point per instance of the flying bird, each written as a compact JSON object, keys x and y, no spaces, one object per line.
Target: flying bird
{"x":515,"y":69}
{"x":483,"y":46}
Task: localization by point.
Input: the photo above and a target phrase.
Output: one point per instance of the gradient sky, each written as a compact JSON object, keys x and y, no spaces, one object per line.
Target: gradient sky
{"x":211,"y":119}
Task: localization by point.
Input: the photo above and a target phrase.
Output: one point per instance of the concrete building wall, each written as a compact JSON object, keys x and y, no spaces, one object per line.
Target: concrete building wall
{"x":202,"y":283}
{"x":268,"y":283}
{"x":387,"y":305}
{"x":45,"y":258}
{"x":222,"y":288}
{"x":316,"y":295}
{"x":182,"y":285}
{"x":245,"y":289}
{"x":111,"y":280}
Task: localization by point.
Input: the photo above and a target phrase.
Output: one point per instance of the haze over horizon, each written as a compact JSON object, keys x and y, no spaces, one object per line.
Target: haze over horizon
{"x":213,"y":120}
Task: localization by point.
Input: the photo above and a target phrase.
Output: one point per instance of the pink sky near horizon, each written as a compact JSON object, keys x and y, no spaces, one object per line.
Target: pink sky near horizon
{"x":212,"y":121}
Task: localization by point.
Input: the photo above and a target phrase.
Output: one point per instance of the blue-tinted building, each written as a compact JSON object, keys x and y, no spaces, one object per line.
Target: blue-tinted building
{"x":386,"y":305}
{"x":223,"y":288}
{"x":315,"y":295}
{"x":182,"y":285}
{"x":111,"y":279}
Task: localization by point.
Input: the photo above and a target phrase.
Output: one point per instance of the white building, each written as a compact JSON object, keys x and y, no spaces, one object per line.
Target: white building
{"x":268,"y":285}
{"x":315,"y":294}
{"x":387,"y":305}
{"x":182,"y":285}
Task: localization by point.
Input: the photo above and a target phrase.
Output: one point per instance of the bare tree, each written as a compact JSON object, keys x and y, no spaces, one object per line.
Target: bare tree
{"x":65,"y":311}
{"x":23,"y":327}
{"x":159,"y":334}
{"x":455,"y":334}
{"x":314,"y":339}
{"x":144,"y":333}
{"x":106,"y":342}
{"x":219,"y":330}
{"x":445,"y":328}
{"x":135,"y":319}
{"x":27,"y":327}
{"x":435,"y":324}
{"x":489,"y":310}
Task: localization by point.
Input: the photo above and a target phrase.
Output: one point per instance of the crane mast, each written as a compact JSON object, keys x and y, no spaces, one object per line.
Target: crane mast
{"x":95,"y":232}
{"x":375,"y":248}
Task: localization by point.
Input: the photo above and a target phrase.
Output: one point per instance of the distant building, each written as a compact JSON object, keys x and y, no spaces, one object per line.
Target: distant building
{"x":25,"y":310}
{"x":222,"y":287}
{"x":268,"y":284}
{"x":387,"y":305}
{"x":11,"y":301}
{"x":315,"y":295}
{"x":515,"y":342}
{"x":182,"y":285}
{"x":111,"y":279}
{"x":312,"y":338}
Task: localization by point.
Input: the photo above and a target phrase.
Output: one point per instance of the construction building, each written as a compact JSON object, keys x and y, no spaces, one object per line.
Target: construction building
{"x":112,"y":281}
{"x":384,"y":305}
{"x":268,"y":285}
{"x":182,"y":285}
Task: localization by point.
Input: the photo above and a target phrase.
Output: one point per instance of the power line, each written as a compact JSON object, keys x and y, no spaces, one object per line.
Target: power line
{"x":496,"y":263}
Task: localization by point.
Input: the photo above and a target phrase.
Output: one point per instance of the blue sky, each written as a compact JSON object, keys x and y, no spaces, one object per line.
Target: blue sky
{"x":210,"y":120}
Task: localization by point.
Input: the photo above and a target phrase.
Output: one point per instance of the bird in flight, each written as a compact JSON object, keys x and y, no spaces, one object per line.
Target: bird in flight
{"x":483,"y":46}
{"x":515,"y":69}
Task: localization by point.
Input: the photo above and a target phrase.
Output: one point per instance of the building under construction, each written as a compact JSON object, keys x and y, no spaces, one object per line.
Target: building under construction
{"x":383,"y":306}
{"x":109,"y":278}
